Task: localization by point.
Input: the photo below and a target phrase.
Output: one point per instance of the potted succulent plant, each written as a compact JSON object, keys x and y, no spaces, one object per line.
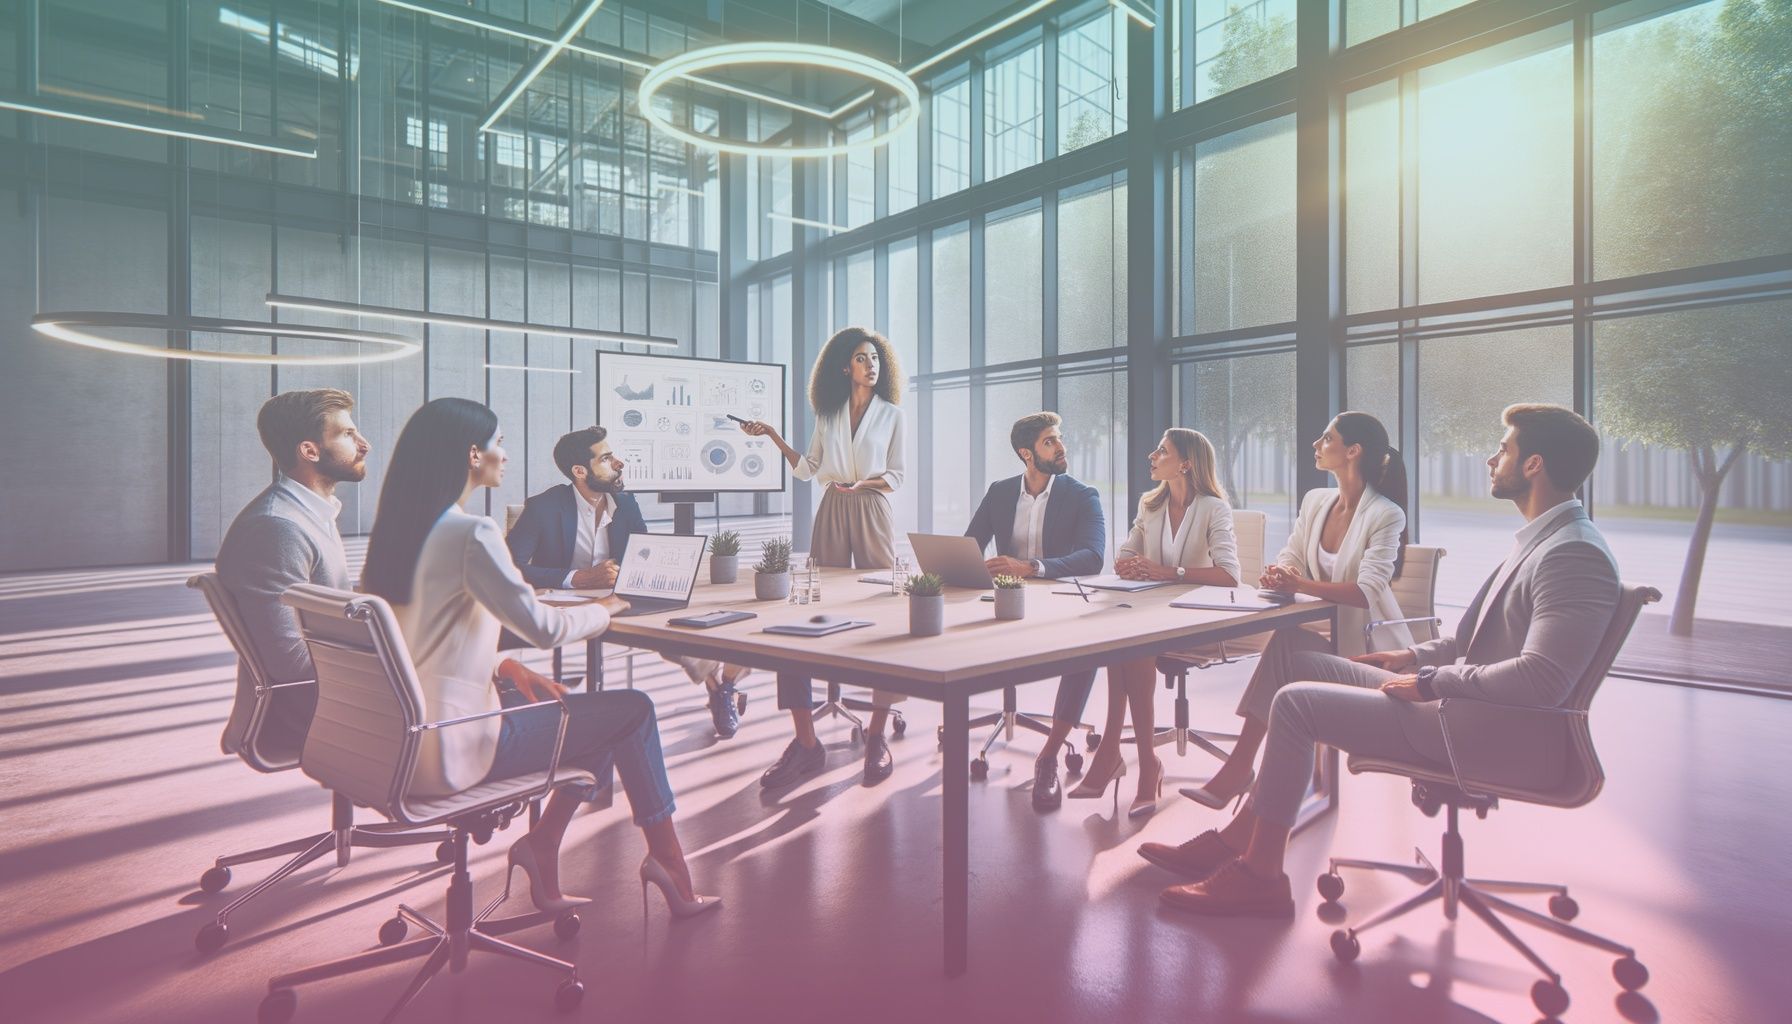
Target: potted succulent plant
{"x":926,"y":605}
{"x":724,"y":557}
{"x":1011,"y":597}
{"x":771,"y":577}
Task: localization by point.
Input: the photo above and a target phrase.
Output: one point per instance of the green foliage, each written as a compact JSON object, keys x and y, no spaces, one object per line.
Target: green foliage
{"x":774,"y":557}
{"x":726,"y":543}
{"x":1253,"y":49}
{"x":1009,"y":583}
{"x":927,"y":584}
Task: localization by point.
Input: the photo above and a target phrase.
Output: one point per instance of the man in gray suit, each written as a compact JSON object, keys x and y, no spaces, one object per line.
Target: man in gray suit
{"x":286,"y":535}
{"x":1524,"y":641}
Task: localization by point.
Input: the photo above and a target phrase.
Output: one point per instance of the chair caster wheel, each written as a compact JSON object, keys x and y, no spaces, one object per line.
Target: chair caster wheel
{"x":568,"y":996}
{"x":214,"y":879}
{"x":1331,"y":886}
{"x":1073,"y":762}
{"x":277,"y":1006}
{"x":393,"y":931}
{"x":1549,"y":998}
{"x":1091,"y":741}
{"x":857,"y":735}
{"x":1345,"y":946}
{"x":898,"y":726}
{"x":212,"y":937}
{"x":1563,"y":908}
{"x":1630,"y":973}
{"x":444,"y":852}
{"x":979,"y":769}
{"x":566,"y":925}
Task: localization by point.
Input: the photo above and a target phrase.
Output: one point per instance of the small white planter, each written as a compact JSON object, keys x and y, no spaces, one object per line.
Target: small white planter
{"x":1011,"y":604}
{"x":771,"y":586}
{"x":724,"y":568}
{"x":926,"y":615}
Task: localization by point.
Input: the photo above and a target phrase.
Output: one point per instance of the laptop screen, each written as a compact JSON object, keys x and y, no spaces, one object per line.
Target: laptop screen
{"x":660,"y":566}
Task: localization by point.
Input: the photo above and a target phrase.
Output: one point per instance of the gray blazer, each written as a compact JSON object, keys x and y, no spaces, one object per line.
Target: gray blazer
{"x":1549,"y":608}
{"x":275,"y":542}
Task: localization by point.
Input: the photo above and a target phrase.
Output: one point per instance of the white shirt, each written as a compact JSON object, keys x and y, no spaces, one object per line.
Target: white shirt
{"x":1029,"y":522}
{"x":839,"y":456}
{"x":1174,"y":532}
{"x":324,"y":510}
{"x":591,"y":542}
{"x":1328,"y":562}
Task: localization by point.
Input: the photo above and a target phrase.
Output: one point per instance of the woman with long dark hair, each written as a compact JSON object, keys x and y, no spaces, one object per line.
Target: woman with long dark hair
{"x":1348,"y":544}
{"x":452,"y":583}
{"x":856,"y":455}
{"x":1183,"y":534}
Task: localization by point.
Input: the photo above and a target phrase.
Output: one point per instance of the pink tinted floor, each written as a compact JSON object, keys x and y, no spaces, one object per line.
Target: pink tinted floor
{"x":116,"y":684}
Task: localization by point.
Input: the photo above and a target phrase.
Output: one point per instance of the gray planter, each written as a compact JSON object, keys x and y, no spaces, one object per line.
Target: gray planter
{"x":1011,"y":604}
{"x":771,"y":586}
{"x":926,"y":615}
{"x":724,"y":568}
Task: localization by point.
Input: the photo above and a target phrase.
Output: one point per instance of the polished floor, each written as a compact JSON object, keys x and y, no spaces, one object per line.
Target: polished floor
{"x":114,"y":684}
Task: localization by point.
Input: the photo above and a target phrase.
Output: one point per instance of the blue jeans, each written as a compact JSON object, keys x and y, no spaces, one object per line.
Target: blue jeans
{"x":616,"y":729}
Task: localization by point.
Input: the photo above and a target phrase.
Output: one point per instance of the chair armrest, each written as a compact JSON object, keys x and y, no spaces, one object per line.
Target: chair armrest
{"x":1513,"y":717}
{"x":1369,"y":628}
{"x":559,"y":735}
{"x":281,"y":686}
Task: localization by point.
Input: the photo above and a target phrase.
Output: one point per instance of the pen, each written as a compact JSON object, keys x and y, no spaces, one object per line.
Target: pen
{"x":1078,"y":580}
{"x":1232,"y":596}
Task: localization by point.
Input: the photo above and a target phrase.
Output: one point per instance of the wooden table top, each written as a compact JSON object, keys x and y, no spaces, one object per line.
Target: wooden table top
{"x":976,"y":652}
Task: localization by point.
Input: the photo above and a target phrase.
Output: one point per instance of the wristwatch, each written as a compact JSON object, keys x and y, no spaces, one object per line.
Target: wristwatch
{"x":1037,"y":567}
{"x":1181,"y":572}
{"x":1423,"y":681}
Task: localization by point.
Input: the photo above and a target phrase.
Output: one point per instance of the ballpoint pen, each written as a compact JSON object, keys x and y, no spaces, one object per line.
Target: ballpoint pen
{"x":1232,"y":596}
{"x":1078,"y":580}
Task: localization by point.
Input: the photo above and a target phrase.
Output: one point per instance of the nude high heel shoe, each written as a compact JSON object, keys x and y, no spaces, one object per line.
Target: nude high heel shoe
{"x":654,"y":873}
{"x":1145,"y":806}
{"x":1092,"y":787}
{"x":522,"y":855}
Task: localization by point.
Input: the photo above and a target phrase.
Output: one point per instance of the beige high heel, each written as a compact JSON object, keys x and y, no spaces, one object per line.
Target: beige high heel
{"x":1091,"y":787}
{"x":654,"y":873}
{"x":522,"y":855}
{"x":1146,"y":806}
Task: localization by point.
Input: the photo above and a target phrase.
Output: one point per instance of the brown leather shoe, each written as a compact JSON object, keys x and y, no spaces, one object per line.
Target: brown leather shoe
{"x":1198,"y":858}
{"x":1234,"y":891}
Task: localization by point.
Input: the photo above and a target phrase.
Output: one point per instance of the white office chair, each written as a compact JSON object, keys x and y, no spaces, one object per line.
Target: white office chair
{"x":247,"y":735}
{"x":363,"y":744}
{"x":1567,"y":775}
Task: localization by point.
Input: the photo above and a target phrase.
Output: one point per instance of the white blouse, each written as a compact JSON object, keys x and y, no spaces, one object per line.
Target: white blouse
{"x":839,"y":456}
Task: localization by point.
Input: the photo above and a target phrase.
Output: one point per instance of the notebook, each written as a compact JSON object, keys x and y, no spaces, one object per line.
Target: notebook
{"x":1225,"y":599}
{"x":1113,"y":581}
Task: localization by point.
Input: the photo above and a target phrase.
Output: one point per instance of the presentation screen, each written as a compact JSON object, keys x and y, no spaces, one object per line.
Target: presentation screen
{"x":668,"y":420}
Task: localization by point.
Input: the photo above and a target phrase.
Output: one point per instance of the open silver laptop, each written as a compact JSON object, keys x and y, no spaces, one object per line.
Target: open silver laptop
{"x":658,"y":572}
{"x":957,"y":560}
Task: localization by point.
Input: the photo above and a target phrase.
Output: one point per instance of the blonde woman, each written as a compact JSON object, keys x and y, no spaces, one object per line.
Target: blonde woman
{"x":1183,"y":534}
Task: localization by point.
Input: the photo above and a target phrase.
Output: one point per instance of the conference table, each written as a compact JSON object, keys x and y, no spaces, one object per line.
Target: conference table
{"x":977,"y":653}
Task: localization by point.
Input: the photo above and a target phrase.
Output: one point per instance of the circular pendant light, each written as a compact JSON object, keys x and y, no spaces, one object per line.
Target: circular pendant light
{"x":68,"y":327}
{"x":827,"y":58}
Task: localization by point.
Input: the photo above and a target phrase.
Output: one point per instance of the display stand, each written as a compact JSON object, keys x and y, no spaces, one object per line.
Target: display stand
{"x":684,"y":509}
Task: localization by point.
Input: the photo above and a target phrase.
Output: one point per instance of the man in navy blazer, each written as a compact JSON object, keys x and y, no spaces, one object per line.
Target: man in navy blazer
{"x":1048,"y":524}
{"x":573,"y":535}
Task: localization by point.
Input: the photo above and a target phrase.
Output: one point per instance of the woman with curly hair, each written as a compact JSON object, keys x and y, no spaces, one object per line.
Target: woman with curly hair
{"x":856,"y":455}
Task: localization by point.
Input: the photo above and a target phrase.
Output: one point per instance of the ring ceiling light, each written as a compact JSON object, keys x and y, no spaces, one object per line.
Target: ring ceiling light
{"x":64,"y":327}
{"x":827,"y":58}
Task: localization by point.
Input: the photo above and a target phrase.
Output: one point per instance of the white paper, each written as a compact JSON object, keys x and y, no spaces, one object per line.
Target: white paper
{"x":572,"y":595}
{"x":1114,"y":581}
{"x":1243,"y":599}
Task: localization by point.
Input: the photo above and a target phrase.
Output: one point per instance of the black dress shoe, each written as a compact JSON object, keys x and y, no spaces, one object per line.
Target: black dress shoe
{"x":878,"y":762}
{"x":794,"y":764}
{"x":722,"y":711}
{"x":1047,"y":794}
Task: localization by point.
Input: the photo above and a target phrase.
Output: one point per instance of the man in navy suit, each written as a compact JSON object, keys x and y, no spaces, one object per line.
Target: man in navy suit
{"x":1045,"y":523}
{"x":573,"y":535}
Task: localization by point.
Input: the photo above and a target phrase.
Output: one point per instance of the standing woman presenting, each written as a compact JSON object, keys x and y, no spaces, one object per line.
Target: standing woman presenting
{"x":856,"y":454}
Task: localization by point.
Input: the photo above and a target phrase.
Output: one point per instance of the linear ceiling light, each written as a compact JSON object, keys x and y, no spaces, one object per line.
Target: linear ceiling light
{"x":62,"y":327}
{"x":804,"y":221}
{"x":474,"y":19}
{"x":574,"y":25}
{"x":528,"y":369}
{"x":193,"y":132}
{"x":479,"y":323}
{"x":827,"y":58}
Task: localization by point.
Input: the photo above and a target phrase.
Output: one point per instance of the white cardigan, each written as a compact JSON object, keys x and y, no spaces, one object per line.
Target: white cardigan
{"x":466,"y":585}
{"x":838,"y":456}
{"x":1365,"y":555}
{"x":1207,"y":537}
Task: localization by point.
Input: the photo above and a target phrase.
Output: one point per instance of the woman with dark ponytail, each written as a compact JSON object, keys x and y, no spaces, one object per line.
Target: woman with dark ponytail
{"x":451,"y":583}
{"x":1348,"y":544}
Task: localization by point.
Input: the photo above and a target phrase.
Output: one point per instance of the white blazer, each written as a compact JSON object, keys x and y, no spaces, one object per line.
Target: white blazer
{"x":1207,"y":537}
{"x":838,"y":456}
{"x":466,"y":585}
{"x":1365,"y":555}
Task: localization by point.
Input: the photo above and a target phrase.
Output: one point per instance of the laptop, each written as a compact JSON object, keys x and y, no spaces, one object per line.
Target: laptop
{"x":957,"y":560}
{"x":658,"y":572}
